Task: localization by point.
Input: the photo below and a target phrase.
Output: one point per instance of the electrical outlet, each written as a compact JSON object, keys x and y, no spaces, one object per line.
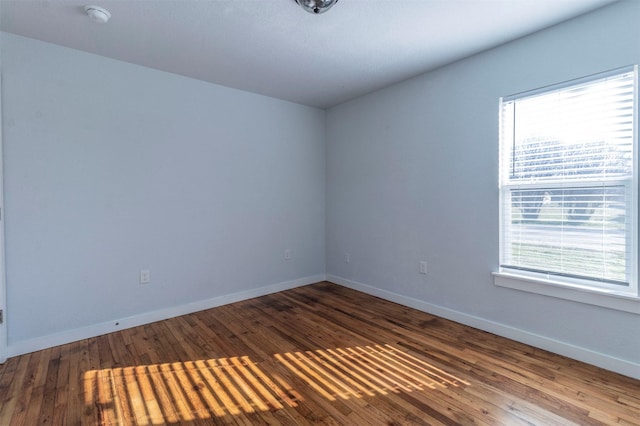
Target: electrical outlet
{"x":423,"y":267}
{"x":145,"y":276}
{"x":287,"y":254}
{"x":347,"y":257}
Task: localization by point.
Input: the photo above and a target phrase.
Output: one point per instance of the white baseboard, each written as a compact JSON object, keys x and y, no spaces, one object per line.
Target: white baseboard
{"x":607,"y":362}
{"x":69,"y":336}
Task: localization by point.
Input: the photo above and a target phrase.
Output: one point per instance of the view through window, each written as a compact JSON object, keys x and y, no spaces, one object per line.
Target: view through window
{"x":568,"y":182}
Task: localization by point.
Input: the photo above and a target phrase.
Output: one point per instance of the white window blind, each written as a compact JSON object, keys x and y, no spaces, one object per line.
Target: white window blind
{"x":567,"y":181}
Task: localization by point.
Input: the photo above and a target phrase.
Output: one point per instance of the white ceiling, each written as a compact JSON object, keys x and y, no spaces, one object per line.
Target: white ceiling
{"x":275,"y":48}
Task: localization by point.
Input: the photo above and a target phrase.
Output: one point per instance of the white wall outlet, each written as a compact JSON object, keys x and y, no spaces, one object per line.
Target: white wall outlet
{"x":145,"y":276}
{"x":422,"y":267}
{"x":347,"y":257}
{"x":287,"y":254}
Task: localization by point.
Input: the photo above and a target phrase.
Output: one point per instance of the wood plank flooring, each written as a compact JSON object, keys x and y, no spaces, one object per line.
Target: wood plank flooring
{"x":319,"y":354}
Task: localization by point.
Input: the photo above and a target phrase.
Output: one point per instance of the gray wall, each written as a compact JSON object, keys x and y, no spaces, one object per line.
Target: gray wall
{"x":412,"y":174}
{"x":111,"y":168}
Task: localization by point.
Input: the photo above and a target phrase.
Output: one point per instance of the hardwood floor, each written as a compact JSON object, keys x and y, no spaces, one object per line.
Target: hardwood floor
{"x":320,"y":354}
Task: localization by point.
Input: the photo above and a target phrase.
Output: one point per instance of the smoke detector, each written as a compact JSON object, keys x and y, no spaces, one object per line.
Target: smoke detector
{"x":98,"y":14}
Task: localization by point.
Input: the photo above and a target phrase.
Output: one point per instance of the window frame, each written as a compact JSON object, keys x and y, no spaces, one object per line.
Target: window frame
{"x":625,"y":298}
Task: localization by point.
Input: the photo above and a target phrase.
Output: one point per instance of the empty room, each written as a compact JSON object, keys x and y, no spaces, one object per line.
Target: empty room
{"x":342,"y":212}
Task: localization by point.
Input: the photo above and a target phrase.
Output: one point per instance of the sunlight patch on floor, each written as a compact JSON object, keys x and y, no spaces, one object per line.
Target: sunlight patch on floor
{"x":344,"y":373}
{"x":185,"y":391}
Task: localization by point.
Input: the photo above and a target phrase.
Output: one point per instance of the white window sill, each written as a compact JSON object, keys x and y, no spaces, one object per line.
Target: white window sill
{"x":605,"y":298}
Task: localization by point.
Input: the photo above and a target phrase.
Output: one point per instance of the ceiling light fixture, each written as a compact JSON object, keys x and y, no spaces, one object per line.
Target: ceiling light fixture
{"x":316,"y":6}
{"x":98,"y":14}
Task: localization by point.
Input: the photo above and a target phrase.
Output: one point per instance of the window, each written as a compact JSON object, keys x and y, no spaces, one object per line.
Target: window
{"x":568,"y":183}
